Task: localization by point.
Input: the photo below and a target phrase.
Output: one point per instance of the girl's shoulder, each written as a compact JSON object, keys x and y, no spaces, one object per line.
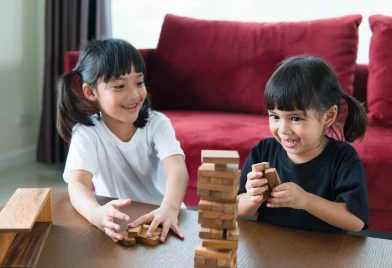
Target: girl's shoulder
{"x":82,"y":130}
{"x":341,"y":150}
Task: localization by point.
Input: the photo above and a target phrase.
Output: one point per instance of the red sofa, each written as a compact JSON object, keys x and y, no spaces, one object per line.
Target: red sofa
{"x":211,"y":107}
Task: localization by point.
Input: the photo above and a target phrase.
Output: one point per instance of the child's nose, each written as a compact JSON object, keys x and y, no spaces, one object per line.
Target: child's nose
{"x":284,"y":128}
{"x":132,"y":94}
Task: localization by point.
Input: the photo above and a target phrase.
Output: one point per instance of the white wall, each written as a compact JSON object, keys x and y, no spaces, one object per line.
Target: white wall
{"x":140,"y":22}
{"x":21,"y":71}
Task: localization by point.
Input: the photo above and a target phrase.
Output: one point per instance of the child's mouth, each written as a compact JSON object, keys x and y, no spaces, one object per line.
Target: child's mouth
{"x":289,"y":143}
{"x":130,"y":108}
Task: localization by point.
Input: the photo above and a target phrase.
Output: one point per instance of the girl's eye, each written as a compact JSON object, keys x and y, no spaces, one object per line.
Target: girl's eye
{"x":119,"y":87}
{"x":273,"y":117}
{"x":296,"y":119}
{"x":140,"y":83}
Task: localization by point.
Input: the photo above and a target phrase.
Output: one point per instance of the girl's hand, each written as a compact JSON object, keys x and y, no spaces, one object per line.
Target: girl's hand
{"x":288,"y":195}
{"x":256,"y":186}
{"x":103,"y":218}
{"x":165,"y":216}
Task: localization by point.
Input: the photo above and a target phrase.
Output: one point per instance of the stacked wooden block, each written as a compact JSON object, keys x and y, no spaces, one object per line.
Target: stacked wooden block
{"x":218,"y":182}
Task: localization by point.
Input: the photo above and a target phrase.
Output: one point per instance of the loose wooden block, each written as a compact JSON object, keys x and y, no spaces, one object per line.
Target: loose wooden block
{"x":260,"y":167}
{"x":205,"y":205}
{"x":216,"y":215}
{"x":153,"y":241}
{"x":208,"y":170}
{"x":233,"y":234}
{"x":144,"y":230}
{"x":220,"y":157}
{"x":127,"y":241}
{"x":22,"y":210}
{"x":134,"y":232}
{"x":273,"y":178}
{"x":219,"y":244}
{"x":224,"y":254}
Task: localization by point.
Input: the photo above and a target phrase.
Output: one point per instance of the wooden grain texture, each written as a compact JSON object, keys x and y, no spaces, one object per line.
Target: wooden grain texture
{"x":5,"y":242}
{"x":220,"y":157}
{"x":46,"y":212}
{"x":22,"y":210}
{"x":208,"y":170}
{"x":74,"y":242}
{"x":26,"y":248}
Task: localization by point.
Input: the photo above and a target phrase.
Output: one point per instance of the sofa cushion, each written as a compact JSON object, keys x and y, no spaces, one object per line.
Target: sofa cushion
{"x":224,"y":66}
{"x":379,"y":98}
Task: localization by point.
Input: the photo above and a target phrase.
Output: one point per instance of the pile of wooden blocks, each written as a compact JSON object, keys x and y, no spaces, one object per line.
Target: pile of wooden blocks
{"x":139,"y":234}
{"x":218,"y":182}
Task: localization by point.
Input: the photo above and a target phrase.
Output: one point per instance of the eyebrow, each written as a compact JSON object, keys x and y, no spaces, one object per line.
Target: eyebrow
{"x":122,"y":77}
{"x":291,"y":114}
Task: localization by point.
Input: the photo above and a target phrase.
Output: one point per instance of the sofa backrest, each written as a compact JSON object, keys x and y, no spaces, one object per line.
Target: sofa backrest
{"x":71,"y":58}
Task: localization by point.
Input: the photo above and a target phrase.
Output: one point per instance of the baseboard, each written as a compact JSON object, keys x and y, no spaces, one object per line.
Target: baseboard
{"x":16,"y":158}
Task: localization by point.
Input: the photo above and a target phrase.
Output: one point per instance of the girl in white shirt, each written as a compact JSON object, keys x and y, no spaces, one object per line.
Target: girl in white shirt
{"x":117,"y":142}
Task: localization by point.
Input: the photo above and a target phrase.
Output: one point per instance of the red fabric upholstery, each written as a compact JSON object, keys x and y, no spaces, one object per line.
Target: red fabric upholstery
{"x":380,"y":71}
{"x":224,"y":66}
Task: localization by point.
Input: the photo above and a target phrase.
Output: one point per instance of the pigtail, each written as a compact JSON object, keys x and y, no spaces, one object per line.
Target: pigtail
{"x":71,"y":109}
{"x":356,"y":120}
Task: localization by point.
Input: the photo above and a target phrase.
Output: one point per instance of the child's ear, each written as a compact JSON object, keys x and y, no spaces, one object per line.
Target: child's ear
{"x":330,"y":116}
{"x":89,"y":92}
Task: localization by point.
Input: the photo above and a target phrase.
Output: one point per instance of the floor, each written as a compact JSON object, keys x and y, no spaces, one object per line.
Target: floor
{"x":36,"y":175}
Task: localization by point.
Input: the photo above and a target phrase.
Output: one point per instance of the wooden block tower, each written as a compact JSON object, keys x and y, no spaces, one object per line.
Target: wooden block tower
{"x":218,"y":182}
{"x":25,"y":222}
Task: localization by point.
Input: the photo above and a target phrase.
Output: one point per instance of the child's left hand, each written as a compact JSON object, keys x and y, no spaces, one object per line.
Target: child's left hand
{"x":164,"y":215}
{"x":288,"y":195}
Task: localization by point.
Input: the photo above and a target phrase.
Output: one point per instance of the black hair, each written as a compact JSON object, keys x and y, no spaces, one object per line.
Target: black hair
{"x":307,"y":82}
{"x":100,"y":60}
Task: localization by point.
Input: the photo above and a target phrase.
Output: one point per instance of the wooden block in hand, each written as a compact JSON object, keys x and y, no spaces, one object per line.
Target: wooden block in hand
{"x":134,"y":232}
{"x":220,"y":157}
{"x":127,"y":241}
{"x":219,"y":244}
{"x":260,"y":167}
{"x":273,"y":178}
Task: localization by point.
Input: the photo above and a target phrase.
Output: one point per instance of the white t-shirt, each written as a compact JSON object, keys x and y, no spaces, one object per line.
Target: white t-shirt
{"x":124,"y":169}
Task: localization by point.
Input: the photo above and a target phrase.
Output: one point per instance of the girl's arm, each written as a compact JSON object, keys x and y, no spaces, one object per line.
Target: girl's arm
{"x":292,"y":195}
{"x":176,"y":182}
{"x":83,"y":200}
{"x":167,"y":213}
{"x":333,"y":213}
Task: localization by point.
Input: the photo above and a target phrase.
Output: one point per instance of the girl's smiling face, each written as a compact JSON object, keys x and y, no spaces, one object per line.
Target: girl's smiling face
{"x":301,"y":134}
{"x":121,"y":99}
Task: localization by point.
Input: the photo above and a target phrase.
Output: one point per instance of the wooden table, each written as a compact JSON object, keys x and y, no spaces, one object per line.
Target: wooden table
{"x":73,"y":242}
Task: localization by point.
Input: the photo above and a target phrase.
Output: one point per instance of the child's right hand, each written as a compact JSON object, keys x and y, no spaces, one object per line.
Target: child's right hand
{"x":256,"y":186}
{"x":103,"y":218}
